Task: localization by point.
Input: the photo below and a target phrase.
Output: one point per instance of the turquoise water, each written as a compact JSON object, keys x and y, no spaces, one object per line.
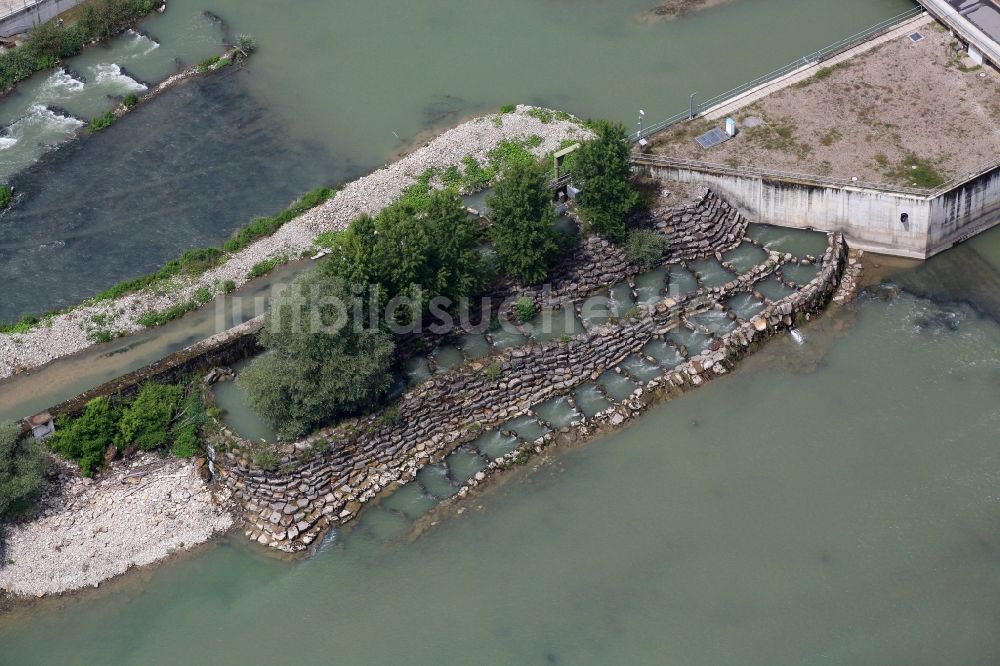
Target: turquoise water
{"x":337,"y":89}
{"x":834,"y":503}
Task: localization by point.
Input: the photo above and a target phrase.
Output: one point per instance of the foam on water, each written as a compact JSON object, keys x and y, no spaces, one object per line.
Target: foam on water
{"x":59,"y":86}
{"x":145,"y":44}
{"x":110,"y":74}
{"x":41,"y":124}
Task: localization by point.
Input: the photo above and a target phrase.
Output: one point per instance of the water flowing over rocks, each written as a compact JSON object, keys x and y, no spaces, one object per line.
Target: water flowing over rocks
{"x":88,"y":531}
{"x":325,"y":479}
{"x":65,"y":334}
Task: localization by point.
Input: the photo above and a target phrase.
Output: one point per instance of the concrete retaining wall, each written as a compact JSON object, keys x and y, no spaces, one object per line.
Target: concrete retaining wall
{"x":871,"y":219}
{"x":36,"y":12}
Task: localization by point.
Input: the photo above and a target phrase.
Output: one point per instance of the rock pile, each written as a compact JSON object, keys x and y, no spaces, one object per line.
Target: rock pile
{"x":88,"y":531}
{"x":326,"y":478}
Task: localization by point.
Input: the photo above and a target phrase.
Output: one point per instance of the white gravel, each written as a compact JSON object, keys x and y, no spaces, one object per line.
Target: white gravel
{"x":91,"y":531}
{"x":67,"y":333}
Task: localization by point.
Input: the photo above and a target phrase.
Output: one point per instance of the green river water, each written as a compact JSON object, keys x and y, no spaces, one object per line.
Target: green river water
{"x":836,"y":502}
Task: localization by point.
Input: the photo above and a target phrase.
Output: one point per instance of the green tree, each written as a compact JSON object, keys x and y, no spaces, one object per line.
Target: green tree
{"x":456,"y":265}
{"x":603,"y":171}
{"x":523,"y":215}
{"x":403,"y":251}
{"x":85,"y":438}
{"x":319,"y":367}
{"x":22,"y":472}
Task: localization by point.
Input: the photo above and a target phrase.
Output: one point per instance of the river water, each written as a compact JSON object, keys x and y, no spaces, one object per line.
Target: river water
{"x":832,"y":502}
{"x":836,"y":502}
{"x":336,"y":89}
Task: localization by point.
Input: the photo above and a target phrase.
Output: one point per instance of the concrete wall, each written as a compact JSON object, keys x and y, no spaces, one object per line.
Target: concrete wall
{"x":870,"y":219}
{"x":36,"y":12}
{"x":965,"y":211}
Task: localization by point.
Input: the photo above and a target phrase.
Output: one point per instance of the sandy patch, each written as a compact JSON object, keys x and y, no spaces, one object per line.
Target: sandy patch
{"x":868,"y":117}
{"x":672,"y":9}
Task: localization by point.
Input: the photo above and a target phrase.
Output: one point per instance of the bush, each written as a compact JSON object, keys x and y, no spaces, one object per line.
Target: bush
{"x":227,"y":287}
{"x":524,"y":235}
{"x":146,"y":420}
{"x":603,"y":171}
{"x":22,"y":472}
{"x":187,"y":425}
{"x":312,"y":378}
{"x":645,"y":247}
{"x":85,"y":438}
{"x":98,"y":123}
{"x":245,"y":44}
{"x":525,"y":308}
{"x":6,"y":196}
{"x":508,"y":108}
{"x":130,"y":100}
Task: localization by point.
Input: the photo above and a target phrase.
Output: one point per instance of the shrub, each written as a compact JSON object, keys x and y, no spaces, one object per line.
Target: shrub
{"x":85,"y":438}
{"x":98,"y":123}
{"x":508,"y":108}
{"x":312,"y":378}
{"x":227,"y":287}
{"x":645,"y":247}
{"x":524,"y":235}
{"x":6,"y":196}
{"x":493,"y":371}
{"x":147,"y":418}
{"x":475,"y":178}
{"x":544,"y":115}
{"x":22,"y":472}
{"x":188,"y":425}
{"x":154,"y":318}
{"x":130,"y":100}
{"x":203,"y":295}
{"x":525,"y":308}
{"x":207,"y":63}
{"x":245,"y":44}
{"x":603,"y":171}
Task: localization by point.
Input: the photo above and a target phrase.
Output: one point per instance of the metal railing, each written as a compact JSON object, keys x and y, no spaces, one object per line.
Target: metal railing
{"x":813,"y":58}
{"x":813,"y":179}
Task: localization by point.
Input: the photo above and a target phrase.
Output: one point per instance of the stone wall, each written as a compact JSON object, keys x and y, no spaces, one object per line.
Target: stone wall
{"x":706,"y":226}
{"x":325,"y":479}
{"x":872,"y":219}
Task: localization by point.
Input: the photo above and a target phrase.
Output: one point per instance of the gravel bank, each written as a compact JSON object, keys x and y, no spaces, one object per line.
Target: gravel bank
{"x":68,"y":333}
{"x":90,"y":531}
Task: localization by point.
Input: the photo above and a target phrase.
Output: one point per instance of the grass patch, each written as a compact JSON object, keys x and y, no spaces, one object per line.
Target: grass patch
{"x":917,"y":172}
{"x":262,"y":268}
{"x":265,"y":226}
{"x":831,"y":137}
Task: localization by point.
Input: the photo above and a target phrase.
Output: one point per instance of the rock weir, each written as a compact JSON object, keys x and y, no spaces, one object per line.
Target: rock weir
{"x":325,"y":479}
